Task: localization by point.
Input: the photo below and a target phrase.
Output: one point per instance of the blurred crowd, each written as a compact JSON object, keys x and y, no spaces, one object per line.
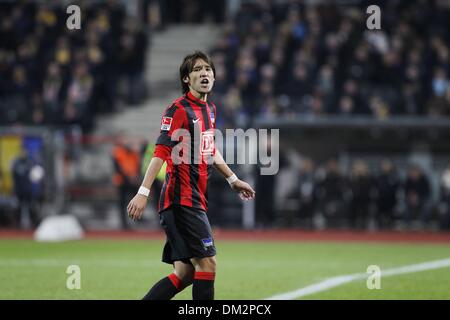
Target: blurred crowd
{"x":50,"y":75}
{"x":284,"y":58}
{"x":365,"y":196}
{"x":275,"y":58}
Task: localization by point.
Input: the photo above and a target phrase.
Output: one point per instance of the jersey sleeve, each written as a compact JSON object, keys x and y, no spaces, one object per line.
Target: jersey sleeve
{"x":214,"y":116}
{"x":213,"y":122}
{"x":162,"y":152}
{"x":172,"y":119}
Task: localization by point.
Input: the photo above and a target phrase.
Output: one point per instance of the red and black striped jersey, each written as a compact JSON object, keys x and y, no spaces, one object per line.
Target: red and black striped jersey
{"x":186,"y":182}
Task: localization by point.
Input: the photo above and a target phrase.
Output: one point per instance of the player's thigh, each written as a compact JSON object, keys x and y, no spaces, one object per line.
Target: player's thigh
{"x":193,"y":226}
{"x":206,"y":264}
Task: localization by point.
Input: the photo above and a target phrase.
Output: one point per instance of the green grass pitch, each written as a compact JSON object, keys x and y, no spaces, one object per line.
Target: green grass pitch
{"x":125,"y":269}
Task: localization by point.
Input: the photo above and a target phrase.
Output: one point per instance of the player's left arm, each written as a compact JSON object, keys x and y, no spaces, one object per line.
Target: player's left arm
{"x":245,"y":190}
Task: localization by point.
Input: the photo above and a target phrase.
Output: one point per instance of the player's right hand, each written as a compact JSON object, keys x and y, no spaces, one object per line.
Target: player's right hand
{"x":137,"y":206}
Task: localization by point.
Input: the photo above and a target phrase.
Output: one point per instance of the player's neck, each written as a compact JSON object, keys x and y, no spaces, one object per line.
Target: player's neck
{"x":200,"y":96}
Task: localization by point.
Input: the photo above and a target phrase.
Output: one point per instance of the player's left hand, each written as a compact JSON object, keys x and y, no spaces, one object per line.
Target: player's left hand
{"x":245,"y":191}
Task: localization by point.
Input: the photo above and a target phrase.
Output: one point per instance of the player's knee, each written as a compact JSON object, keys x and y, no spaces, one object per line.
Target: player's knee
{"x":185,"y":273}
{"x":186,"y":276}
{"x":207,"y":264}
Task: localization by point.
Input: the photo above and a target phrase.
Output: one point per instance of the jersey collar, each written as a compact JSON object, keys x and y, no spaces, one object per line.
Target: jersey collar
{"x":190,"y":96}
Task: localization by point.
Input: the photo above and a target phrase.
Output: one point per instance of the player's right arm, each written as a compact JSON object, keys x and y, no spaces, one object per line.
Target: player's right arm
{"x":137,"y":205}
{"x":173,"y":118}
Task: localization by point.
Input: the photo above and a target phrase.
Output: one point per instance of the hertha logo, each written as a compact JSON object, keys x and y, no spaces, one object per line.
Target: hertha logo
{"x":207,"y":139}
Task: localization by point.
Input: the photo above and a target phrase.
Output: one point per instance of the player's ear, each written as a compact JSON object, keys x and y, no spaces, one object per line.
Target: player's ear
{"x":186,"y":79}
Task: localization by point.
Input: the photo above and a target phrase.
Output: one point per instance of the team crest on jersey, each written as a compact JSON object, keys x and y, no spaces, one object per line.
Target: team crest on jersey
{"x":208,"y":242}
{"x":213,"y":119}
{"x":166,"y":123}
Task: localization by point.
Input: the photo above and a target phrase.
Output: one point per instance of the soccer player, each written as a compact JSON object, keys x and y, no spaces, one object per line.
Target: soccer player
{"x":183,"y":202}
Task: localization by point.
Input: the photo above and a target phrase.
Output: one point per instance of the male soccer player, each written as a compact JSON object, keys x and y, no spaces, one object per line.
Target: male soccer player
{"x":183,"y":201}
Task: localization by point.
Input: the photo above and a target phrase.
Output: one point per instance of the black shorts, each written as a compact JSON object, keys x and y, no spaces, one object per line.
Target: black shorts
{"x":188,"y":234}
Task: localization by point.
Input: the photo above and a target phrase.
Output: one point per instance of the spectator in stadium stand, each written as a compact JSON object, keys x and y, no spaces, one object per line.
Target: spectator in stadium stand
{"x":78,"y":102}
{"x":325,"y":84}
{"x":362,"y":191}
{"x":331,"y":192}
{"x":126,"y":158}
{"x":439,"y":103}
{"x":445,"y":196}
{"x":412,"y":98}
{"x":387,"y":187}
{"x":52,"y":92}
{"x":305,"y":191}
{"x":131,"y":58}
{"x":20,"y":94}
{"x":298,"y":85}
{"x":22,"y":167}
{"x":378,"y":107}
{"x":232,"y":105}
{"x":417,"y":196}
{"x":265,"y":210}
{"x":37,"y":110}
{"x":346,"y":106}
{"x":352,"y":89}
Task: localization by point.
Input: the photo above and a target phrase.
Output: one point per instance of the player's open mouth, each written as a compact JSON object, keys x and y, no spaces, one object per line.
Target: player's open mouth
{"x":204,"y":81}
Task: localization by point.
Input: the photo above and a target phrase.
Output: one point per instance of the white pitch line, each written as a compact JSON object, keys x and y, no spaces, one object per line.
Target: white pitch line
{"x":339,"y":280}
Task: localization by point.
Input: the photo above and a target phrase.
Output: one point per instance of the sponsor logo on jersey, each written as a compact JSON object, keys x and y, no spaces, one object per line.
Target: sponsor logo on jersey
{"x":207,"y":141}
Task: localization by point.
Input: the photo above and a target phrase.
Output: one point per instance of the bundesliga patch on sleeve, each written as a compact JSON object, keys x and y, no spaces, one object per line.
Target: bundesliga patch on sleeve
{"x":166,"y":123}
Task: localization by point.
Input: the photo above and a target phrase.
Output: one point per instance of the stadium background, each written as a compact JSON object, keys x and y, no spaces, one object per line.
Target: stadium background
{"x":348,"y":102}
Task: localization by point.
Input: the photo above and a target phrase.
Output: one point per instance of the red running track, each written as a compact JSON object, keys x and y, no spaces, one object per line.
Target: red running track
{"x":268,"y":235}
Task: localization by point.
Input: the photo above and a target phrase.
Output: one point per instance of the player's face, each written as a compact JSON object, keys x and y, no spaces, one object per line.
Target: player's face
{"x":201,"y":78}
